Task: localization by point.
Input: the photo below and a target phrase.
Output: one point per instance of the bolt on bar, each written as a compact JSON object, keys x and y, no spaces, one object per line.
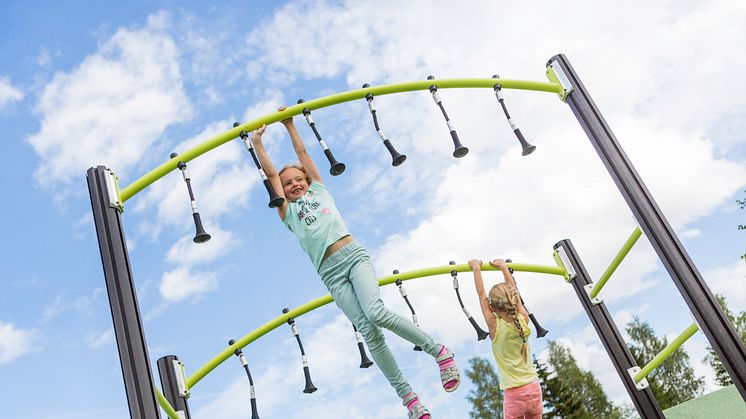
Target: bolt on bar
{"x":322,"y":102}
{"x":198,"y":375}
{"x":617,"y":260}
{"x":666,"y":352}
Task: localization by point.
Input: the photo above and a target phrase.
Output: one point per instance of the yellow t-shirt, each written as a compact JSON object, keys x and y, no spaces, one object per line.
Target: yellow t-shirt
{"x":506,"y":347}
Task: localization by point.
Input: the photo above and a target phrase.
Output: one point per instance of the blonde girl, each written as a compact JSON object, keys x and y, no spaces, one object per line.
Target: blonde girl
{"x":507,"y":320}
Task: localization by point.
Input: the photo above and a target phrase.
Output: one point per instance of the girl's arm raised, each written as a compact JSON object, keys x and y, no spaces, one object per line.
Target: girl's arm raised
{"x":500,"y":264}
{"x":300,"y":149}
{"x":269,"y":168}
{"x":489,"y":316}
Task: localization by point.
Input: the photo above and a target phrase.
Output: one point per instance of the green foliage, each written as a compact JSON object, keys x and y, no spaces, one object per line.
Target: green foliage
{"x":560,"y":401}
{"x":673,"y":382}
{"x":739,"y":323}
{"x":486,"y":398}
{"x":584,"y":386}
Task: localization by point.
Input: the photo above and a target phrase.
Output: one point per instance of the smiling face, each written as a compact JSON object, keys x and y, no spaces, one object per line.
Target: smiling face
{"x":294,"y":183}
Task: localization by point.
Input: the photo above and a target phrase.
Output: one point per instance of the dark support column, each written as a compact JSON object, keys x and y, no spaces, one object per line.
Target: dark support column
{"x":644,"y":400}
{"x":125,"y":312}
{"x":697,"y":295}
{"x":173,"y":383}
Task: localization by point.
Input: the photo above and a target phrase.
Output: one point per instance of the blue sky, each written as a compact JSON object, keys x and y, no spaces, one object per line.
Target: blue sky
{"x":125,"y":84}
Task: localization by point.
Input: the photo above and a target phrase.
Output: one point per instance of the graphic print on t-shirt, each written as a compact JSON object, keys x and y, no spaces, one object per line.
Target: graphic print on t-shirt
{"x":308,"y":209}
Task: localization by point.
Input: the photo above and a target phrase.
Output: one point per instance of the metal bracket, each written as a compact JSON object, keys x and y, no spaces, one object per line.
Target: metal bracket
{"x":642,"y":384}
{"x":112,"y":190}
{"x":563,"y":260}
{"x":180,"y":379}
{"x":594,"y":300}
{"x":556,"y":75}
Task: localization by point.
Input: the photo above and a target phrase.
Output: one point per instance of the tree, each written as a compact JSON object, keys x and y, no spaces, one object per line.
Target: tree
{"x":582,"y":384}
{"x":673,"y":382}
{"x":739,"y":323}
{"x":560,"y":401}
{"x":486,"y":398}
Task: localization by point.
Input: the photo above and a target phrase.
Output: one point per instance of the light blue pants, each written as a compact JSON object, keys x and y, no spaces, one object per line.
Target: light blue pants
{"x":352,"y":282}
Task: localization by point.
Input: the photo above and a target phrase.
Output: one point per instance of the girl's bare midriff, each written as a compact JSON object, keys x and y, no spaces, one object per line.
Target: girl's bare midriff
{"x":337,"y":245}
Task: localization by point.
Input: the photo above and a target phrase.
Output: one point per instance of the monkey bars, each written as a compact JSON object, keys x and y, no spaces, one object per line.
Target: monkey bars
{"x":107,"y":201}
{"x":321,"y":301}
{"x":146,"y":180}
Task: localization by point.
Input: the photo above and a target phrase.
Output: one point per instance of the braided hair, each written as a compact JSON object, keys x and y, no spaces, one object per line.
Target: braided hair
{"x":503,"y":299}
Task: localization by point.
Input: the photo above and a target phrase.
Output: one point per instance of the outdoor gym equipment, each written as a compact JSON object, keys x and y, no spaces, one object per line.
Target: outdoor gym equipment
{"x":459,"y":150}
{"x":481,"y":334}
{"x":336,"y":167}
{"x":540,"y":331}
{"x":403,"y":294}
{"x":396,"y":157}
{"x":107,"y":201}
{"x":239,"y":353}
{"x":527,"y":148}
{"x":309,"y":387}
{"x":274,"y":200}
{"x":200,"y":235}
{"x":365,"y":362}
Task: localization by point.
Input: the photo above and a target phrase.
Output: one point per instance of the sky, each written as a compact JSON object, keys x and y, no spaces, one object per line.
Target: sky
{"x":123,"y":85}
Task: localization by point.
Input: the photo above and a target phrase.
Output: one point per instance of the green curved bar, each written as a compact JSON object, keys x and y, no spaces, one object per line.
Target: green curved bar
{"x":321,"y":301}
{"x":146,"y":180}
{"x":166,"y":406}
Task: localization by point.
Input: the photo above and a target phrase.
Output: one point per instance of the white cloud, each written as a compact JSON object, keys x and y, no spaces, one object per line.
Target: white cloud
{"x":15,"y":342}
{"x":62,"y":304}
{"x":8,"y":93}
{"x":182,"y":283}
{"x":97,"y":339}
{"x":113,"y":107}
{"x":729,"y":280}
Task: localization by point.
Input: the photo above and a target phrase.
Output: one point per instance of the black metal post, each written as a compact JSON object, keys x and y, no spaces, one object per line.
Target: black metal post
{"x":125,"y":312}
{"x":173,"y":383}
{"x":643,"y":399}
{"x":704,"y":307}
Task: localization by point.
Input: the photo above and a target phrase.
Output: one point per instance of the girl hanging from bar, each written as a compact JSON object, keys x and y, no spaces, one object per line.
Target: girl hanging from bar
{"x":507,"y":321}
{"x":345,"y":268}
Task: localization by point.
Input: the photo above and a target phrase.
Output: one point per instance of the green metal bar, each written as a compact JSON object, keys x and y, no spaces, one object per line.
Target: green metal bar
{"x":166,"y":406}
{"x":617,"y":260}
{"x":267,"y":327}
{"x":146,"y":180}
{"x":666,"y":352}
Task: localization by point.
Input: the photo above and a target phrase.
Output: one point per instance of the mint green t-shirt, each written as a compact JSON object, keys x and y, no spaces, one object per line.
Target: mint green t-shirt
{"x":316,"y":222}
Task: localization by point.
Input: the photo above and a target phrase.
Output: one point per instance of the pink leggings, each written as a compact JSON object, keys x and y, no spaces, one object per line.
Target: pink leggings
{"x":523,"y":402}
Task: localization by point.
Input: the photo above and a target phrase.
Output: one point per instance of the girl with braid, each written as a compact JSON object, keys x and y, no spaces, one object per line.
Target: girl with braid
{"x":507,"y":320}
{"x":345,"y":268}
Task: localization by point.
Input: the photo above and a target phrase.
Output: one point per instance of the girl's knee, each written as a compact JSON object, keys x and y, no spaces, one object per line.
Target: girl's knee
{"x":371,"y":333}
{"x":377,"y":313}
